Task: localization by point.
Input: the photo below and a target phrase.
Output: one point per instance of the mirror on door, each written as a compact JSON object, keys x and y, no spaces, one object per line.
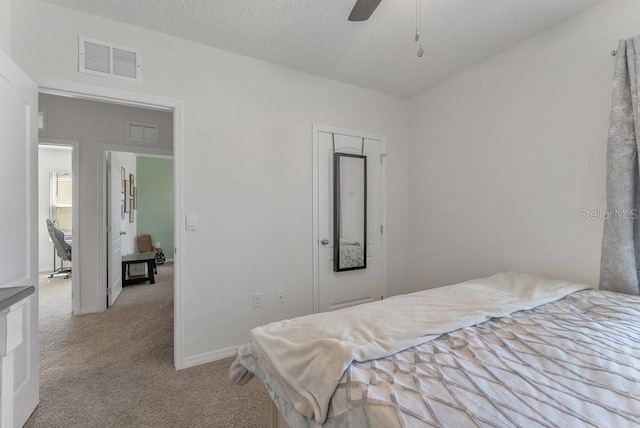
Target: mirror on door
{"x":349,"y":212}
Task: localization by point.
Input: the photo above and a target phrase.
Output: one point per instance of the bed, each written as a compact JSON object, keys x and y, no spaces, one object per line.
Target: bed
{"x":517,"y":350}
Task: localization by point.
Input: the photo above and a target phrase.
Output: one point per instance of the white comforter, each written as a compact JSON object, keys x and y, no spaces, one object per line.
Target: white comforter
{"x":309,"y":354}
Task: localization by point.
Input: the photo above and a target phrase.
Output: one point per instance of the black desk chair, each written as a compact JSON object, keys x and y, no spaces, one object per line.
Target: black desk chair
{"x":62,"y":247}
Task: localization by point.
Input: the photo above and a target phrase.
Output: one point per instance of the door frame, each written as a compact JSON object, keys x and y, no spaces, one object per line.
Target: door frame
{"x":75,"y":214}
{"x":55,"y":86}
{"x":315,"y":241}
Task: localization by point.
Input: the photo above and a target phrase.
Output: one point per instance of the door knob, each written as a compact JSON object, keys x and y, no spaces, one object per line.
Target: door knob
{"x":325,"y":241}
{"x":123,"y":233}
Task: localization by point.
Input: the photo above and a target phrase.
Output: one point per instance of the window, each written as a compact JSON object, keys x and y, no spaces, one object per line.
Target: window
{"x":60,"y":191}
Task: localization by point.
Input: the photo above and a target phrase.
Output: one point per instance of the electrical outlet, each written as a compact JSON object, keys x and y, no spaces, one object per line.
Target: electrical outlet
{"x":257,"y":300}
{"x":280,"y":296}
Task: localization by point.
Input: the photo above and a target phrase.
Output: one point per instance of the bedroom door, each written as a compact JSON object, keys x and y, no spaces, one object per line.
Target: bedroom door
{"x":336,"y":290}
{"x":19,"y":253}
{"x":114,"y":217}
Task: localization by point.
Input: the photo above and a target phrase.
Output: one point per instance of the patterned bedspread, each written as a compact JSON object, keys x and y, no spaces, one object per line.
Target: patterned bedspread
{"x":574,"y":362}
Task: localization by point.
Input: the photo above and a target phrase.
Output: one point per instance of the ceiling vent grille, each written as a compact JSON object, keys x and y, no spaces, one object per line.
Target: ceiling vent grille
{"x":104,"y":59}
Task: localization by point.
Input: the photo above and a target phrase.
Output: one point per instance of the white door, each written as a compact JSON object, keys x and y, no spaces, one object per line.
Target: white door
{"x":114,"y":217}
{"x":19,"y":249}
{"x":336,"y":290}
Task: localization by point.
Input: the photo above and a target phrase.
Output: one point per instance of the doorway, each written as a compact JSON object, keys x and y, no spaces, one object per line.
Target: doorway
{"x":58,"y":162}
{"x":139,"y":201}
{"x":108,"y":95}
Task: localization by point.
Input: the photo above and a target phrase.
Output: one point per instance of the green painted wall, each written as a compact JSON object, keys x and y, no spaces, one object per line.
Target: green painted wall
{"x":154,"y":182}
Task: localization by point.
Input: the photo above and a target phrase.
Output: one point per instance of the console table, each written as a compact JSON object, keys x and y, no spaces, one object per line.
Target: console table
{"x":147,"y":258}
{"x":11,"y":299}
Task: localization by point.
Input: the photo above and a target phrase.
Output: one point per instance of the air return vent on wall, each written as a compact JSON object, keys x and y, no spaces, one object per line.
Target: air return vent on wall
{"x":142,"y":132}
{"x":105,"y":59}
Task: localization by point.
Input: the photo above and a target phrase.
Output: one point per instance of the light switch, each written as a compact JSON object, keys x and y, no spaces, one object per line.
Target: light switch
{"x":192,"y":222}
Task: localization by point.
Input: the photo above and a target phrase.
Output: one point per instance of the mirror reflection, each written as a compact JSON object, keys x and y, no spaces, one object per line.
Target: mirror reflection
{"x":350,"y":212}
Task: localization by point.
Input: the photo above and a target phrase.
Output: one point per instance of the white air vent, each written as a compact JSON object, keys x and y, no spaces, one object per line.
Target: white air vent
{"x":142,"y":132}
{"x":104,"y":59}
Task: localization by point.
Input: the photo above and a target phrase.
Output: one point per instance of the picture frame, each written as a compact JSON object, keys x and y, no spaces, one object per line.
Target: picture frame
{"x":123,"y":176}
{"x":127,"y":205}
{"x":131,"y":183}
{"x":131,"y":212}
{"x":135,"y":198}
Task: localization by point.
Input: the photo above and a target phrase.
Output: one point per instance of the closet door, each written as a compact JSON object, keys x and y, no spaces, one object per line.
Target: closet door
{"x":336,"y":290}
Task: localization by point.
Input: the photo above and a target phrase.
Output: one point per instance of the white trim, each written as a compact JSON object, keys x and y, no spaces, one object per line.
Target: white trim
{"x":26,"y":397}
{"x":156,"y":152}
{"x":208,"y":357}
{"x":67,"y":88}
{"x":383,"y":214}
{"x":85,"y":91}
{"x":315,"y":251}
{"x":75,"y":214}
{"x":178,"y":235}
{"x":149,"y":155}
{"x":317,"y":128}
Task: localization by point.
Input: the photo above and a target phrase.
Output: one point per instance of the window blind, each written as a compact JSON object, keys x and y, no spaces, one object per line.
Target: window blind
{"x":60,"y":200}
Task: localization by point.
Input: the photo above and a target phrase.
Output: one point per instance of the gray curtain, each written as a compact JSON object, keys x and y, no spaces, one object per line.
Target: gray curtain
{"x":619,"y":267}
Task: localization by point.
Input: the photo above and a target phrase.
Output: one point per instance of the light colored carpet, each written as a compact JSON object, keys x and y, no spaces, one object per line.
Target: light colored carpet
{"x":115,"y":369}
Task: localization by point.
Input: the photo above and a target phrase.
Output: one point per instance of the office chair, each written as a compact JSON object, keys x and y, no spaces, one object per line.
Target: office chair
{"x":62,"y":247}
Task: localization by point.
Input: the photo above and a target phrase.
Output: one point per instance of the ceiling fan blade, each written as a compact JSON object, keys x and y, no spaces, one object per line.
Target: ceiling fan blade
{"x":363,"y":9}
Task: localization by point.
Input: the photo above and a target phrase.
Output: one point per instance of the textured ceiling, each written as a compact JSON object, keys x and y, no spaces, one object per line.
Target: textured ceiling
{"x":315,"y":36}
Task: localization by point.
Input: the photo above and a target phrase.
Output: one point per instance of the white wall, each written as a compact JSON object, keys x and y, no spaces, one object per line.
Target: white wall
{"x":93,"y":124}
{"x":5,"y":26}
{"x":505,"y":155}
{"x":50,"y":159}
{"x":127,"y":241}
{"x":247,"y":164}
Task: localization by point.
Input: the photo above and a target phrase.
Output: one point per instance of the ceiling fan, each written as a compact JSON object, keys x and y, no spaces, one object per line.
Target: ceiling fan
{"x":363,"y":9}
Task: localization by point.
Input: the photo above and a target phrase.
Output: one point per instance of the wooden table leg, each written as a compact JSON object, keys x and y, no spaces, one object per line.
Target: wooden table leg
{"x":124,"y":273}
{"x":152,"y":278}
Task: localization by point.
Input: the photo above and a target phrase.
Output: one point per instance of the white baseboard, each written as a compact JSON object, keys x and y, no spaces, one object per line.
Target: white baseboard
{"x":208,"y":357}
{"x":89,"y":310}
